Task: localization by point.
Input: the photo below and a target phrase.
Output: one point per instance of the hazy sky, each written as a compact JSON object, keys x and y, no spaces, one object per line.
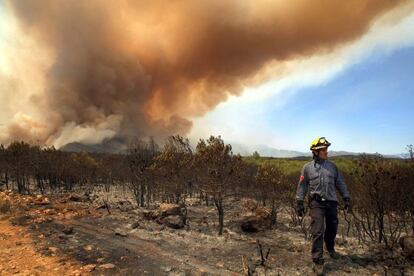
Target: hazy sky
{"x":361,"y":99}
{"x":360,"y":95}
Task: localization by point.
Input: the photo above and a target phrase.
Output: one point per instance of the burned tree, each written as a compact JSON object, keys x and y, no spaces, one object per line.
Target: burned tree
{"x":4,"y":166}
{"x":383,"y":199}
{"x":218,"y":171}
{"x":19,"y":158}
{"x":174,"y":165}
{"x":141,"y":157}
{"x":272,"y":186}
{"x":112,"y":169}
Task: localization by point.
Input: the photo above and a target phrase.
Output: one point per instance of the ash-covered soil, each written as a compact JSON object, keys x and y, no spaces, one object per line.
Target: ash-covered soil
{"x":79,"y":235}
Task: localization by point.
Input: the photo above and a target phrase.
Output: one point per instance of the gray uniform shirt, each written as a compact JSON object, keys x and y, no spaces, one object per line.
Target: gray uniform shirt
{"x":322,"y":178}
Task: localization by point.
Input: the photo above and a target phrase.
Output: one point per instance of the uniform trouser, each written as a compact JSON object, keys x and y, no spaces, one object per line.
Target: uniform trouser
{"x":322,"y":212}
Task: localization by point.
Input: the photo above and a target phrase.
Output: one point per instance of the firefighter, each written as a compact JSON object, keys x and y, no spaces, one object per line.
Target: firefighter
{"x":320,"y":179}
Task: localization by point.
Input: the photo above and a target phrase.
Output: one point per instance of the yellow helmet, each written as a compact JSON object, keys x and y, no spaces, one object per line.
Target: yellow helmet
{"x":319,"y":143}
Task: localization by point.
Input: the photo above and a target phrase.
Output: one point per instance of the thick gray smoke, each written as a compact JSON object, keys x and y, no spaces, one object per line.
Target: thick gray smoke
{"x":139,"y":68}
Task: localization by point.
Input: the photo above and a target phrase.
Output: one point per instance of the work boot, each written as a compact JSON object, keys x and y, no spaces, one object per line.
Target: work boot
{"x":333,"y":254}
{"x":318,"y":268}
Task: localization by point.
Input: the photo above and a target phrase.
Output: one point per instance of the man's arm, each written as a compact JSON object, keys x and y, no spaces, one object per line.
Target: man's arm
{"x":302,"y":188}
{"x":341,"y":186}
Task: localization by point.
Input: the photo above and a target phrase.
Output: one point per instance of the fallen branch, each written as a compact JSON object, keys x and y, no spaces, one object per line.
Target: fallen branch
{"x":263,"y":257}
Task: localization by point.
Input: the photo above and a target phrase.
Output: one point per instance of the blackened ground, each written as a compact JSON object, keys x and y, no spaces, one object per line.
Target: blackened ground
{"x":108,"y":244}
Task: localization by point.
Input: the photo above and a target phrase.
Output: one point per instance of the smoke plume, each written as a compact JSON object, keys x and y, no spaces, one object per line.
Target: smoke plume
{"x":139,"y":68}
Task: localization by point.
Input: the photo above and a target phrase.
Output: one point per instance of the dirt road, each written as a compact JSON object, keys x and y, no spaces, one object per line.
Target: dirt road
{"x":19,"y":255}
{"x":60,"y":236}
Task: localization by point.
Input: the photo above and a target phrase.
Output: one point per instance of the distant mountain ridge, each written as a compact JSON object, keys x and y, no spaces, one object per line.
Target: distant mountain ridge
{"x":266,"y":151}
{"x":117,"y":146}
{"x":110,"y":146}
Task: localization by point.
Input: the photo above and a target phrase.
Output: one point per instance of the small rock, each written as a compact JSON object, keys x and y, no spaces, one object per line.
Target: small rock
{"x":68,"y":230}
{"x":120,"y":232}
{"x":74,"y":198}
{"x":135,"y":225}
{"x":407,"y":245}
{"x":150,"y":214}
{"x":89,"y":267}
{"x":253,"y":223}
{"x":107,"y":266}
{"x":167,"y":209}
{"x":175,"y":222}
{"x":125,"y":205}
{"x":42,"y":202}
{"x":53,"y":249}
{"x":50,"y":212}
{"x":220,"y":264}
{"x":88,"y":247}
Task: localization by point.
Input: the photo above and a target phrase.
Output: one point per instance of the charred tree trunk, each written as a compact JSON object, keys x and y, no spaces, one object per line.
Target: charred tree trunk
{"x":273,"y":215}
{"x":142,"y":197}
{"x":20,"y":184}
{"x":6,"y":178}
{"x":40,"y":184}
{"x":219,"y":205}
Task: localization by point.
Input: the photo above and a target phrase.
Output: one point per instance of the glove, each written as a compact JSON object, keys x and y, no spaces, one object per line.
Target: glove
{"x":347,"y":205}
{"x":300,"y":209}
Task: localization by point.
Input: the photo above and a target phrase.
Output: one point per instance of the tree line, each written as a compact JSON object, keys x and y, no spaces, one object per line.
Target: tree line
{"x":381,"y":189}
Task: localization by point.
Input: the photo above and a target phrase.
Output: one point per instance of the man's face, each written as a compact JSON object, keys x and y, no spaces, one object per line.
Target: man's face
{"x":323,"y":153}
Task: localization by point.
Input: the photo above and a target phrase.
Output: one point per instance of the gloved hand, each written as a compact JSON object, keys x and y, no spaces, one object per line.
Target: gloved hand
{"x":300,"y":208}
{"x":347,"y":205}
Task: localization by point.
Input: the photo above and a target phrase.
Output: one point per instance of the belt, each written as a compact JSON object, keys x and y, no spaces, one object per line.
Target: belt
{"x":318,"y":198}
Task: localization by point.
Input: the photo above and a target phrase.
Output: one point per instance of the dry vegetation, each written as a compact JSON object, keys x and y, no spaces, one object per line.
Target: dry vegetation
{"x":210,"y":178}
